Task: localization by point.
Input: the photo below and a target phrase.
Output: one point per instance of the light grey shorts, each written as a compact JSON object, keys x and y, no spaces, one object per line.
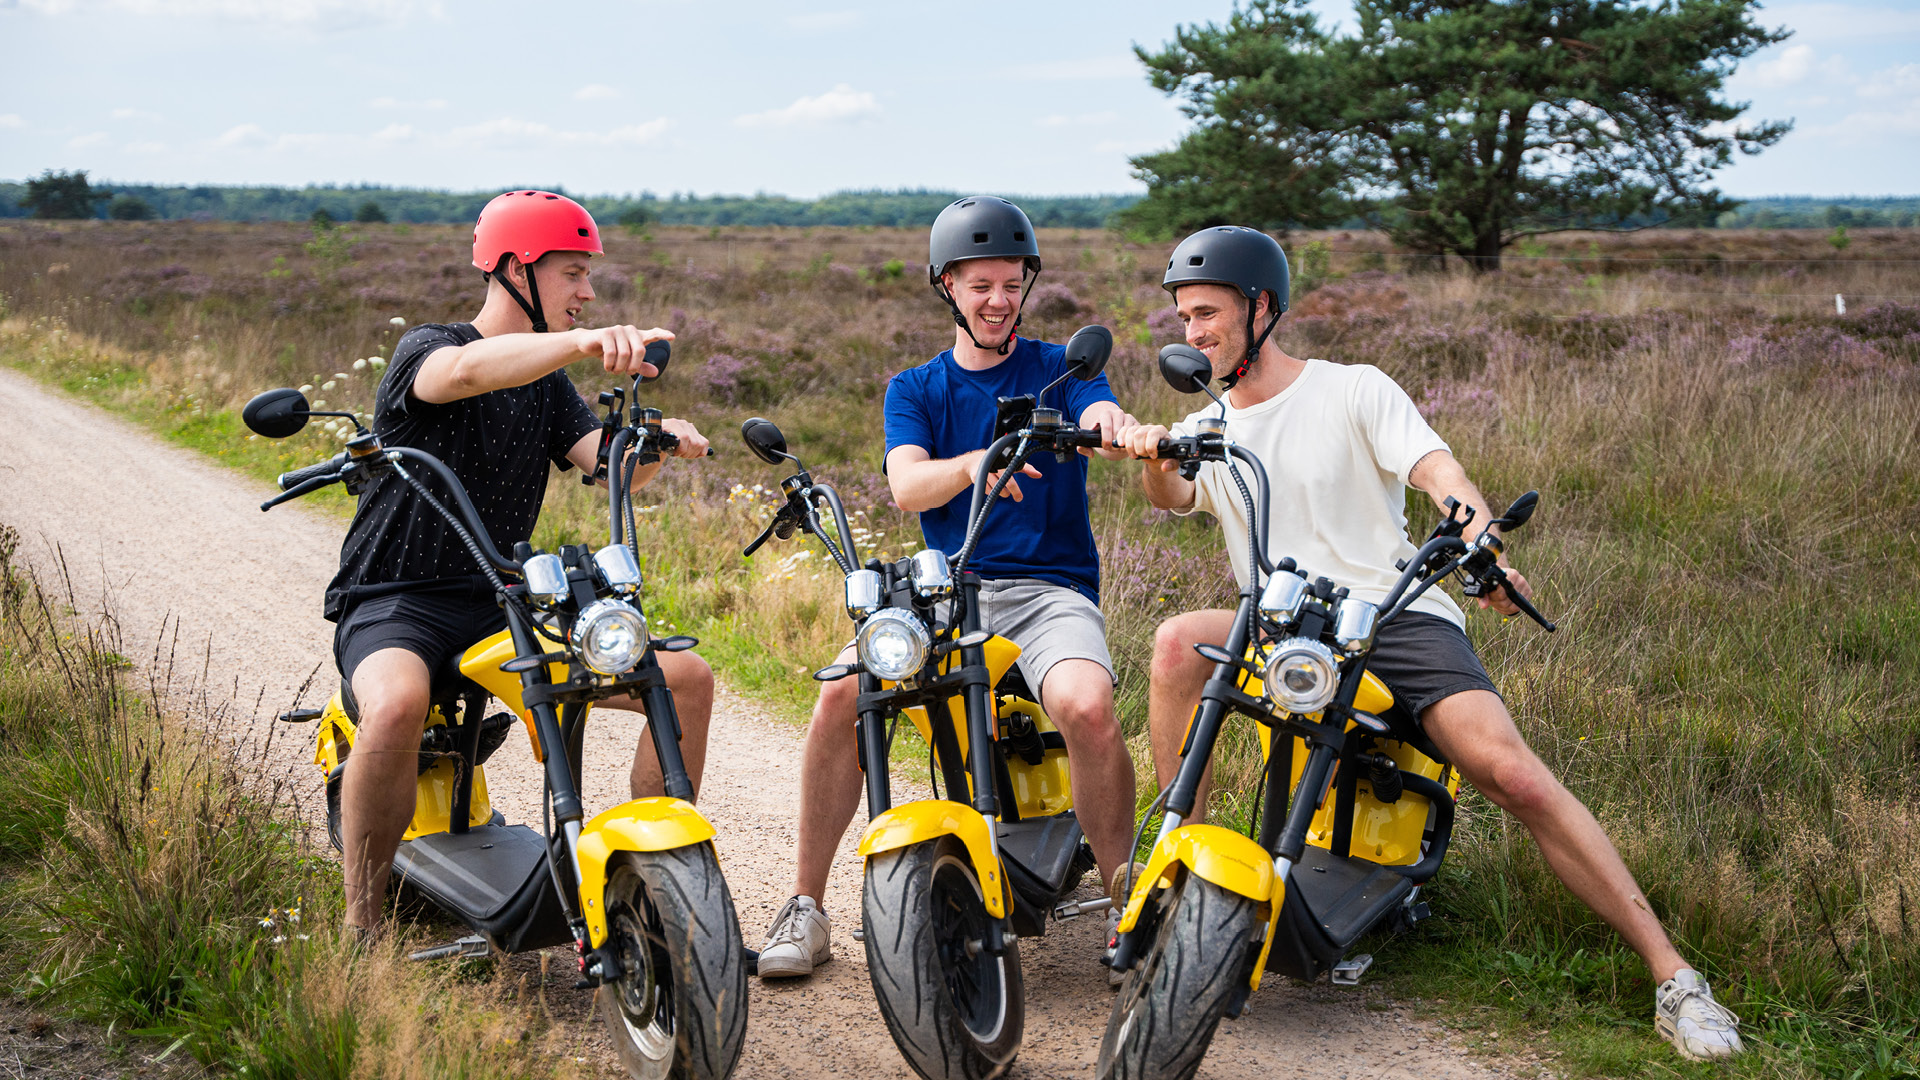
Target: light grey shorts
{"x":1049,"y":622}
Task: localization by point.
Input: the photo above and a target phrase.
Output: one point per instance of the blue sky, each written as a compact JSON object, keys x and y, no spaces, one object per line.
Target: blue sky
{"x":799,"y":99}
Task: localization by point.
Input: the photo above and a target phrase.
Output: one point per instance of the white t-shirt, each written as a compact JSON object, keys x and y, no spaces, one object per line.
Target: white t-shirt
{"x":1337,"y":445}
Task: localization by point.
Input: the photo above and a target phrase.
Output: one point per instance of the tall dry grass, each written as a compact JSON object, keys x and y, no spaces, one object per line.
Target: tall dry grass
{"x":1727,"y":534}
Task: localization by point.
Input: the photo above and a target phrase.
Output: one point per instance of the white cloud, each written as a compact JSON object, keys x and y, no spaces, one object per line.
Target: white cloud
{"x":394,"y":133}
{"x":841,"y":104}
{"x":1792,"y":66}
{"x":1892,"y":82}
{"x":146,"y":146}
{"x":91,"y":138}
{"x":1061,"y":120}
{"x":595,"y":92}
{"x":1842,"y":22}
{"x":242,"y":135}
{"x":815,"y":22}
{"x":11,"y":120}
{"x":283,"y":11}
{"x":1873,"y":127}
{"x":509,"y":131}
{"x":135,"y":114}
{"x":1087,"y":69}
{"x":397,"y":103}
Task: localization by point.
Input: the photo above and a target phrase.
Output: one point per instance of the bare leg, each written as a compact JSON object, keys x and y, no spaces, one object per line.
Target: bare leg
{"x":691,"y":681}
{"x":830,"y":783}
{"x":377,"y":792}
{"x":1178,"y":676}
{"x":1078,"y":697}
{"x":1474,"y":730}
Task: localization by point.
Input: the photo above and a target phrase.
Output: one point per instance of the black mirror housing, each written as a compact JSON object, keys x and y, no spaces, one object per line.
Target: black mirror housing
{"x":276,"y":414}
{"x":765,"y":440}
{"x":1088,"y":350}
{"x":1185,"y":368}
{"x":657,"y":354}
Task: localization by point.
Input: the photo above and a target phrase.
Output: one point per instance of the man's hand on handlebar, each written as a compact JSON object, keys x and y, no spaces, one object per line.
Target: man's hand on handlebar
{"x":1143,"y":441}
{"x":1498,"y":599}
{"x":1109,"y":419}
{"x":621,"y":349}
{"x":692,"y":443}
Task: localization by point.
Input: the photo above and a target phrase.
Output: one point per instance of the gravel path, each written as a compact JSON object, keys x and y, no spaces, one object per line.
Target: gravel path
{"x":175,"y":549}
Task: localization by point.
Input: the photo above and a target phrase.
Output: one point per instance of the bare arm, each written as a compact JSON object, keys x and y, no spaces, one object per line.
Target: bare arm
{"x":495,"y":363}
{"x":1166,"y":488}
{"x":921,"y":482}
{"x":585,"y":454}
{"x":1440,"y":475}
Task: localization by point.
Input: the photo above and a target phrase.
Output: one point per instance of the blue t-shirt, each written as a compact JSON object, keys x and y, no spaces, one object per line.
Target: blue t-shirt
{"x":948,"y":411}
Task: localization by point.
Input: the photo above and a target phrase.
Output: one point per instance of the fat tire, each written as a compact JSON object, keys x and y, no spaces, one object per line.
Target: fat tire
{"x":1167,"y":1011}
{"x":707,"y":977}
{"x":904,"y":961}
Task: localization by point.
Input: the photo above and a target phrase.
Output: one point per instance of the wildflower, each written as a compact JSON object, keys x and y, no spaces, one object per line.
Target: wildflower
{"x":359,"y":365}
{"x":341,"y":375}
{"x":377,"y":362}
{"x":306,"y":388}
{"x":328,"y":385}
{"x":397,"y":321}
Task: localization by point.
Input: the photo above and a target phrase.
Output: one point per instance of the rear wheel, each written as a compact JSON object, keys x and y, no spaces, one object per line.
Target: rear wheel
{"x":952,"y":1001}
{"x":679,"y":1008}
{"x":1171,"y":1004}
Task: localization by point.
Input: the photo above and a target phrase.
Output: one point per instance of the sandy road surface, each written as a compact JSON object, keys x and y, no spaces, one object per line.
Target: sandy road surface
{"x":177,"y":547}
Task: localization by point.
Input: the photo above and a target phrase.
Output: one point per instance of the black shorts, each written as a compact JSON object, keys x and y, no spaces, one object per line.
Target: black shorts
{"x":1423,"y":658}
{"x":436,"y":624}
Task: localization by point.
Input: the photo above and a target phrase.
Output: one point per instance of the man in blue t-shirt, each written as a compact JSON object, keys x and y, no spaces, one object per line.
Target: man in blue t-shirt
{"x":1040,"y":573}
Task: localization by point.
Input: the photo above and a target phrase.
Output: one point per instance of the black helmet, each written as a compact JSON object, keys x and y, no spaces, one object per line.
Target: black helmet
{"x":1247,"y":259}
{"x":981,"y":227}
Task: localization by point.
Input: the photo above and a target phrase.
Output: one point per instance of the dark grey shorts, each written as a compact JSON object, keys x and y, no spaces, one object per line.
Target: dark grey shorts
{"x":437,"y":625}
{"x":1424,"y":658}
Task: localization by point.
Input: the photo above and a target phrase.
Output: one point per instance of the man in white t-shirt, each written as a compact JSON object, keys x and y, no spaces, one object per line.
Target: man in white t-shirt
{"x":1341,"y":443}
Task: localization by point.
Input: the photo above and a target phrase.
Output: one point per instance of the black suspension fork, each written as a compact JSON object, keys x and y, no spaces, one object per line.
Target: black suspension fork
{"x":980,"y":711}
{"x":871,"y":730}
{"x":663,"y":723}
{"x":1197,"y":750}
{"x":538,"y":693}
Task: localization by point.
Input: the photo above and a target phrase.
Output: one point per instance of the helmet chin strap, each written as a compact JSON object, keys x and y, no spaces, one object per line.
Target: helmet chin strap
{"x":1253,"y":347}
{"x":961,"y":320}
{"x":532,"y":309}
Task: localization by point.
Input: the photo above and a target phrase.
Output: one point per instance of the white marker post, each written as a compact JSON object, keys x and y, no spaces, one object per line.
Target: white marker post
{"x":1839,"y":304}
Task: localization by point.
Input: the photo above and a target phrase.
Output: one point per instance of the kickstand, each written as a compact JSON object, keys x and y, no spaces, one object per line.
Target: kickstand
{"x":473,"y":947}
{"x":1347,"y":972}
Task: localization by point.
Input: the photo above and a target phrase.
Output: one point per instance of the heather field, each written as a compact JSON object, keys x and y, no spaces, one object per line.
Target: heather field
{"x":1729,"y":536}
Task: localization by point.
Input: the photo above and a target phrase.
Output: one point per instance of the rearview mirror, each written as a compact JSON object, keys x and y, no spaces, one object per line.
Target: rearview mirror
{"x":657,"y":354}
{"x":1185,"y":368}
{"x":764,"y":439}
{"x":1088,"y":350}
{"x":1519,"y":511}
{"x":276,"y":414}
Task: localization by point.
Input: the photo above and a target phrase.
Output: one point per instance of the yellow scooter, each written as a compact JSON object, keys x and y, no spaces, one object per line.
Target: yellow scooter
{"x":1356,"y":807}
{"x":636,"y":889}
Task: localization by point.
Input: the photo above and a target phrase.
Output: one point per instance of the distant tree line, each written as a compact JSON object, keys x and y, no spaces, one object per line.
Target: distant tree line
{"x":71,"y":196}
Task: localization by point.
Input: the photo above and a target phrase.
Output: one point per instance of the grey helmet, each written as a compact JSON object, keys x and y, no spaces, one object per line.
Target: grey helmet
{"x":1247,"y":259}
{"x":981,"y":227}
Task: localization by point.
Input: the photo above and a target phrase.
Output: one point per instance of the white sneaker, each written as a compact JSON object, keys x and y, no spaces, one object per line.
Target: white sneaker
{"x":797,"y":942}
{"x":1700,"y":1028}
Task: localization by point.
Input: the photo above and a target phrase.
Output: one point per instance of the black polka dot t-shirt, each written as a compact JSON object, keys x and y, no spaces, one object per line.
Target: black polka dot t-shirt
{"x":497,"y":443}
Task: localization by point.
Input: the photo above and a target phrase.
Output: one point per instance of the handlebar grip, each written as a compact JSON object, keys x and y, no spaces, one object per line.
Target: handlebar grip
{"x":289,"y":480}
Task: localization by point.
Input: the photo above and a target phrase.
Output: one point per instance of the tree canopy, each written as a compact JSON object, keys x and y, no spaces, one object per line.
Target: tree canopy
{"x":1457,"y":125}
{"x":63,"y":195}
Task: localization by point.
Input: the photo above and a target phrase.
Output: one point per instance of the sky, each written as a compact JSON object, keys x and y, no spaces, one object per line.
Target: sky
{"x":793,"y":98}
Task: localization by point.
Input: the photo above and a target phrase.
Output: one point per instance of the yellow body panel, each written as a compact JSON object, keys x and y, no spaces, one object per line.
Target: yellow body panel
{"x":1040,"y":790}
{"x":929,"y":819}
{"x":656,"y":824}
{"x":433,"y":794}
{"x":1000,"y":655}
{"x":481,"y":663}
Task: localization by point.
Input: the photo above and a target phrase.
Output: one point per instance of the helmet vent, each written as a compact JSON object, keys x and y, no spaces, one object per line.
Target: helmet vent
{"x":1196,"y":260}
{"x":969,"y":202}
{"x":553,"y":196}
{"x":582,"y":232}
{"x":1020,"y":236}
{"x":981,"y":238}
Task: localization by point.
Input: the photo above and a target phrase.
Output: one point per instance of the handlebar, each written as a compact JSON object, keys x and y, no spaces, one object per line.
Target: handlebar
{"x":290,"y":480}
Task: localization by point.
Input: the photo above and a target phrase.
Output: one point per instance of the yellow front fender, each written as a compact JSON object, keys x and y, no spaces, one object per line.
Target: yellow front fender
{"x":1221,"y":856}
{"x":929,"y":819}
{"x":656,"y":824}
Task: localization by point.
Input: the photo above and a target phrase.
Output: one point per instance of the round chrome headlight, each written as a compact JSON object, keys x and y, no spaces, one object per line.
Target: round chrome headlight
{"x":610,"y":636}
{"x":1301,"y":675}
{"x":892,"y":643}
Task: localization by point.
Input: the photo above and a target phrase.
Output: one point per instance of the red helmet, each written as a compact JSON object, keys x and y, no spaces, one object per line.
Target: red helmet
{"x":529,"y":224}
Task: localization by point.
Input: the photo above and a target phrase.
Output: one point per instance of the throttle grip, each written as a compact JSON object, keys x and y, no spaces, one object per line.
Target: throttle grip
{"x":289,"y":480}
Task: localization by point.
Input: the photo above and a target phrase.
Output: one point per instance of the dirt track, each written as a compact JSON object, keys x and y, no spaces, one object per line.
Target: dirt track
{"x":175,"y":548}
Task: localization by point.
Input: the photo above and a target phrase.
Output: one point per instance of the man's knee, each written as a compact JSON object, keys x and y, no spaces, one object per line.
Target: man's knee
{"x":687,"y":674}
{"x":833,"y":711}
{"x":1079,"y":695}
{"x":1173,"y":641}
{"x":391,"y":691}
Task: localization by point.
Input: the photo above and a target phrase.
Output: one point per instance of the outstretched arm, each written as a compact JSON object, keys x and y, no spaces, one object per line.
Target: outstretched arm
{"x":495,"y":363}
{"x":921,"y":482}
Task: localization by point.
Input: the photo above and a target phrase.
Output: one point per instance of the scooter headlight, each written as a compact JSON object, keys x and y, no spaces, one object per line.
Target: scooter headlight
{"x":610,"y":636}
{"x":892,"y":644}
{"x":1301,"y":675}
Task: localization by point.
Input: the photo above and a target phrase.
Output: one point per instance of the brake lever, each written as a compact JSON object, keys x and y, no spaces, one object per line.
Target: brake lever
{"x":306,"y":487}
{"x":765,"y":535}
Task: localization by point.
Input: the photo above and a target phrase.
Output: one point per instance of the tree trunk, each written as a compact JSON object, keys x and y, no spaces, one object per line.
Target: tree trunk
{"x":1486,"y":251}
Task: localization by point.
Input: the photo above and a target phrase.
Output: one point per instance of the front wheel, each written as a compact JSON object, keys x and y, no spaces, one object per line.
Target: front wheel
{"x":679,"y":1008}
{"x":1168,"y":1009}
{"x":947,"y":980}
